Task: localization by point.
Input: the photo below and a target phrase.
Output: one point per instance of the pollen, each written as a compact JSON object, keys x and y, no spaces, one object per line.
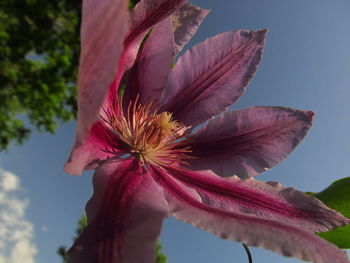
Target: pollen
{"x":168,"y":125}
{"x":155,"y":138}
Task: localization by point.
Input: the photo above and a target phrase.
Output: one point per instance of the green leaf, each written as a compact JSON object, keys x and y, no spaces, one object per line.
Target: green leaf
{"x":337,"y":197}
{"x":39,"y":55}
{"x":160,"y":257}
{"x":339,"y":236}
{"x":132,"y":3}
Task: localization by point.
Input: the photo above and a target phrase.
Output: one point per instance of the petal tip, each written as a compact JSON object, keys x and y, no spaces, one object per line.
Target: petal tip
{"x":309,"y":116}
{"x":70,"y":168}
{"x":262,"y":36}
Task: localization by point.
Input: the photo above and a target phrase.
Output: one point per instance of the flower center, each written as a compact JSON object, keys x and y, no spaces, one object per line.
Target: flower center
{"x":155,"y":138}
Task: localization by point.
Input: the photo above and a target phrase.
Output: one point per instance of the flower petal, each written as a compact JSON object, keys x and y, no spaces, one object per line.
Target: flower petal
{"x":256,"y":213}
{"x":212,"y":75}
{"x":147,"y":77}
{"x":145,"y":15}
{"x":104,"y":25}
{"x":99,"y":145}
{"x":125,"y":216}
{"x":186,"y":21}
{"x":264,"y":200}
{"x":249,"y":141}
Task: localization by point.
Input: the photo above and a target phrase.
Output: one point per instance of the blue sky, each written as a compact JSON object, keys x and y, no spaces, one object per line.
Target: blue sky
{"x":306,"y":65}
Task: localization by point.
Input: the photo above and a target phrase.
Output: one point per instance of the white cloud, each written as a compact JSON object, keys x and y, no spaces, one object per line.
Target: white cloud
{"x":23,"y":251}
{"x":16,"y":232}
{"x":9,"y":181}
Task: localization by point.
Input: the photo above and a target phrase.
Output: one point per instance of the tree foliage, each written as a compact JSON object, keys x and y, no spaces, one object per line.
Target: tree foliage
{"x":39,"y":51}
{"x":39,"y":55}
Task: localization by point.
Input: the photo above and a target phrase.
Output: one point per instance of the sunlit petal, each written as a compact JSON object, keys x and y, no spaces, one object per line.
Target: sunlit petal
{"x":101,"y":46}
{"x":99,"y":145}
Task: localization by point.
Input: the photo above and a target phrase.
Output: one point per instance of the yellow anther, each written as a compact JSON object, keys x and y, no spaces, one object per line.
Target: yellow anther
{"x":167,"y":124}
{"x":151,"y":136}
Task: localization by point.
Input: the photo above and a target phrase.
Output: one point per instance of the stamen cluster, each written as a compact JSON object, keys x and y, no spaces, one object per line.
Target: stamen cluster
{"x":154,"y":137}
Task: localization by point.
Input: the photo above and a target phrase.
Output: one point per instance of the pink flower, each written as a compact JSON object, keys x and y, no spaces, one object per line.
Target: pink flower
{"x":151,"y":164}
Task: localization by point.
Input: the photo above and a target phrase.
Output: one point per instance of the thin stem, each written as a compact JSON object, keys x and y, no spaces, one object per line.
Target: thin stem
{"x":250,"y":259}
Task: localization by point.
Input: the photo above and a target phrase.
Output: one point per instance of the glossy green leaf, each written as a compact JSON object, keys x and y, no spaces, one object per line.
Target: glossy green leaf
{"x":337,"y":197}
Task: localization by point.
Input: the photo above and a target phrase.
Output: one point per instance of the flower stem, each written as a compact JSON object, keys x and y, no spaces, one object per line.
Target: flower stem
{"x":250,"y":259}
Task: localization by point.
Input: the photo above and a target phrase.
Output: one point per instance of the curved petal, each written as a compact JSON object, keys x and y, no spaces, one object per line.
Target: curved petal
{"x":252,"y":212}
{"x":254,"y":198}
{"x":125,"y":216}
{"x":212,"y":75}
{"x":249,"y":141}
{"x":145,"y":15}
{"x":186,"y":21}
{"x":104,"y":25}
{"x":99,"y":145}
{"x":147,"y":77}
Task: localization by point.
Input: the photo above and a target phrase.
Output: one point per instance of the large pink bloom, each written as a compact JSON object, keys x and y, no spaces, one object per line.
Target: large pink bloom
{"x":150,"y":164}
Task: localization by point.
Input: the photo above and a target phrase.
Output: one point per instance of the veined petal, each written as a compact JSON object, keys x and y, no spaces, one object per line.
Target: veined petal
{"x":186,"y":21}
{"x":99,"y":145}
{"x":249,"y":141}
{"x":212,"y":75}
{"x":255,"y":198}
{"x":256,"y":213}
{"x":145,"y":15}
{"x":125,"y":216}
{"x":104,"y":25}
{"x":147,"y":77}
